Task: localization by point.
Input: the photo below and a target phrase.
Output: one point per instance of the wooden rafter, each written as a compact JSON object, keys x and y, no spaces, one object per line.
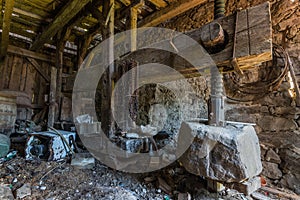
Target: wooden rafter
{"x":63,"y":17}
{"x":126,"y":2}
{"x":159,"y":3}
{"x":169,"y":12}
{"x":6,"y":27}
{"x":30,"y":54}
{"x":29,"y":14}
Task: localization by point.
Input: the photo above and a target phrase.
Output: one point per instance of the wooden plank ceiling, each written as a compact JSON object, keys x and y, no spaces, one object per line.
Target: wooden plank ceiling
{"x":34,"y":24}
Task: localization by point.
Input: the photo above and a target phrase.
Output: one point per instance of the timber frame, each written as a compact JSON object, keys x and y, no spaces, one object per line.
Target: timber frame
{"x":34,"y":25}
{"x":59,"y":34}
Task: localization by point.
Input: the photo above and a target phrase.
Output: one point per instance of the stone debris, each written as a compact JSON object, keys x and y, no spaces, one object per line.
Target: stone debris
{"x":52,"y":180}
{"x":184,"y":196}
{"x":291,"y":181}
{"x":83,"y":161}
{"x":271,"y":170}
{"x":24,"y":191}
{"x":5,"y":192}
{"x":272,"y":156}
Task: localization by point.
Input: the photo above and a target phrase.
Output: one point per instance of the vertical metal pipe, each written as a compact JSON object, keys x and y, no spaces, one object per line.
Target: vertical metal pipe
{"x":219,"y":9}
{"x":216,"y":105}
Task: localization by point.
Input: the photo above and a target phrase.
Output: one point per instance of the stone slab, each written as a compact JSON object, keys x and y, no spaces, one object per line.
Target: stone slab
{"x":228,"y":154}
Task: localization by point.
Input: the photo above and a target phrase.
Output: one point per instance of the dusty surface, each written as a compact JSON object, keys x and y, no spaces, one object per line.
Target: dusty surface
{"x":60,"y":180}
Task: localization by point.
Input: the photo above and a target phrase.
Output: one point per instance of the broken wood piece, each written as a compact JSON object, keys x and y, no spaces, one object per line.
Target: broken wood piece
{"x":259,"y":196}
{"x":215,"y":186}
{"x":280,"y":193}
{"x":236,"y":66}
{"x":294,"y":79}
{"x":164,"y":186}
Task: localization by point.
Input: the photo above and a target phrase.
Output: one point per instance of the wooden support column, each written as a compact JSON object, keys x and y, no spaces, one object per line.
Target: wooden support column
{"x":133,"y":26}
{"x":61,"y":42}
{"x":6,"y":27}
{"x":106,"y":113}
{"x":82,"y":48}
{"x":134,"y":75}
{"x":52,"y":98}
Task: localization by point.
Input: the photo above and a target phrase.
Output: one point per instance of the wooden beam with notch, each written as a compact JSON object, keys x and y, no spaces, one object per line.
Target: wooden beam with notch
{"x":63,"y":17}
{"x":169,"y":12}
{"x":6,"y":27}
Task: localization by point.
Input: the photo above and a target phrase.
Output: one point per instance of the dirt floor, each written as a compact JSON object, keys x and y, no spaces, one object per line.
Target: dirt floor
{"x":60,"y":180}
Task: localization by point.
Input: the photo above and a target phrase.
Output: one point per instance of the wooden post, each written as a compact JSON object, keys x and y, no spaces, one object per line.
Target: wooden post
{"x":59,"y":66}
{"x":133,"y":26}
{"x":134,"y":75}
{"x":82,"y":48}
{"x":6,"y":27}
{"x":52,"y":97}
{"x":106,"y":113}
{"x":60,"y":45}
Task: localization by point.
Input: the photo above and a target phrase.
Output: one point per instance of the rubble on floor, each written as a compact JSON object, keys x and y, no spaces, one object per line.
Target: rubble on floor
{"x":59,"y":180}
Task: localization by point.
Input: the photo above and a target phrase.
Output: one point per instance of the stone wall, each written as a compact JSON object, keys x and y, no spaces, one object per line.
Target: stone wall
{"x":276,"y":115}
{"x":167,"y":104}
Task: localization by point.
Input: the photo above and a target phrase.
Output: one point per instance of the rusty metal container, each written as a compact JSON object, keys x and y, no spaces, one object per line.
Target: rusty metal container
{"x":8,"y":112}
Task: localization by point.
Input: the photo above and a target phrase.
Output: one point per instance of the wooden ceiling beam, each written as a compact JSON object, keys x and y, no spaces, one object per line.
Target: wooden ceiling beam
{"x":63,"y":17}
{"x":6,"y":27}
{"x":31,"y":54}
{"x":159,"y":3}
{"x":169,"y":12}
{"x":126,"y":2}
{"x":29,"y":14}
{"x":99,"y":16}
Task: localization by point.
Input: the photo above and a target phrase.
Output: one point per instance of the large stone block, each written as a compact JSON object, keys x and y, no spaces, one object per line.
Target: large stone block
{"x":229,"y":154}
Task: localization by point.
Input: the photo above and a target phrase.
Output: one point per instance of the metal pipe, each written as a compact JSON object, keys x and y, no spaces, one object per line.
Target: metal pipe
{"x":216,"y":114}
{"x":219,"y":7}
